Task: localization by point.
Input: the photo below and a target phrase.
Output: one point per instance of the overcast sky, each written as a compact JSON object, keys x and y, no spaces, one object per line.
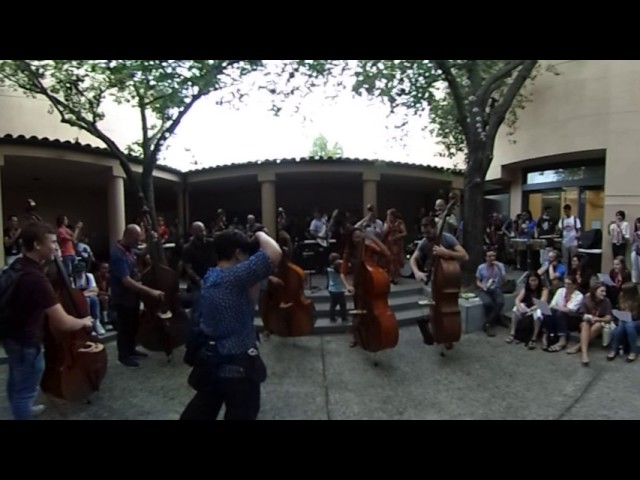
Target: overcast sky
{"x":219,"y":135}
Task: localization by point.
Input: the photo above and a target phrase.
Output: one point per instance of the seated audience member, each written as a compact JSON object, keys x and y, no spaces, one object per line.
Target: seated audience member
{"x":620,"y":275}
{"x":596,"y":312}
{"x":627,"y":332}
{"x":489,"y":278}
{"x":565,"y":304}
{"x":553,"y":271}
{"x":525,"y":309}
{"x":581,"y":271}
{"x":86,"y":282}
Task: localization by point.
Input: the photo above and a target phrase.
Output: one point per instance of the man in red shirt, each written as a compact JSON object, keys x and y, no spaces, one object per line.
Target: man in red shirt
{"x":67,"y":242}
{"x":163,"y":231}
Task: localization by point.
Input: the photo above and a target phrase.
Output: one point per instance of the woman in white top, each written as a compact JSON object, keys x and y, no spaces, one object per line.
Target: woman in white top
{"x":620,"y":234}
{"x":565,"y":304}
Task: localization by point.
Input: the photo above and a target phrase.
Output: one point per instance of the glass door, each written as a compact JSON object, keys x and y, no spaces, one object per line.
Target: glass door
{"x":592,"y":200}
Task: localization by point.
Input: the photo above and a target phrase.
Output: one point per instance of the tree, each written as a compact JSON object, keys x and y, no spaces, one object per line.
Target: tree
{"x":163,"y":92}
{"x":467,"y":101}
{"x":321,"y":148}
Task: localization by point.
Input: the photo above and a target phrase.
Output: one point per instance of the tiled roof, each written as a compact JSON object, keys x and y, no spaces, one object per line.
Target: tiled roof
{"x":88,"y":148}
{"x":325,"y":160}
{"x":68,"y":145}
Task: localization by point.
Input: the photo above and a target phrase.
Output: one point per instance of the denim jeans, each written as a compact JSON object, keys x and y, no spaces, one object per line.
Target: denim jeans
{"x":493,"y":302}
{"x":26,"y":366}
{"x":630,"y":331}
{"x":94,"y":307}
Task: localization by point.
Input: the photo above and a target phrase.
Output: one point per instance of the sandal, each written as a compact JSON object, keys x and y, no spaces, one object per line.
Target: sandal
{"x":573,"y":350}
{"x":556,"y":348}
{"x":532,"y":345}
{"x":632,"y":357}
{"x":510,"y":339}
{"x":612,"y":356}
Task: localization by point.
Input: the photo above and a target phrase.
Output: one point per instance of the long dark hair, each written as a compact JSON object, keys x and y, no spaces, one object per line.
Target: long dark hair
{"x":537,"y":293}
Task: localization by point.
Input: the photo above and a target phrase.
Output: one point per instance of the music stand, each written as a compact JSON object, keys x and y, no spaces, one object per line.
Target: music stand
{"x":311,"y":288}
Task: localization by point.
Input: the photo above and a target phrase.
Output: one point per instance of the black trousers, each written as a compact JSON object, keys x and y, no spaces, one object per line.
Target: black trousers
{"x":338,"y":299}
{"x":240,"y":396}
{"x":127,"y":325}
{"x":619,"y":250}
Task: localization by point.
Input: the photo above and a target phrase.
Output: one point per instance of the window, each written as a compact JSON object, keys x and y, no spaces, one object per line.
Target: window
{"x":565,"y":174}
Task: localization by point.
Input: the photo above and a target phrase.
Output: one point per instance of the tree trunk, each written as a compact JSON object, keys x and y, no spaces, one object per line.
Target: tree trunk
{"x":473,"y":213}
{"x":148,"y":197}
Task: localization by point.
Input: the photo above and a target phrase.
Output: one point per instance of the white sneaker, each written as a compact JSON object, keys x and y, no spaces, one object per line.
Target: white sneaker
{"x":100,"y":329}
{"x":37,"y":410}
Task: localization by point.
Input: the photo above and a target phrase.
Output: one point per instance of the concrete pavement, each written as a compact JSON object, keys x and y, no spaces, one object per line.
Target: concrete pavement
{"x":321,"y":378}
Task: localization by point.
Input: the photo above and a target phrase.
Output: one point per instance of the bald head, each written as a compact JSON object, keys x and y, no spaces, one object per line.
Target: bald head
{"x":198,"y":230}
{"x":132,"y":234}
{"x":441,"y":205}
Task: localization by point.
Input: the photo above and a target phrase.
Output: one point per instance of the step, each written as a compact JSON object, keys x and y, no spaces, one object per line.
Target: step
{"x":323,"y":326}
{"x":397,"y":304}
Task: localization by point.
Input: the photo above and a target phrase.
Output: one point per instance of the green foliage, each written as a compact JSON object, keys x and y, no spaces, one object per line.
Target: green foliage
{"x":163,"y":92}
{"x":322,"y":149}
{"x":458,"y":98}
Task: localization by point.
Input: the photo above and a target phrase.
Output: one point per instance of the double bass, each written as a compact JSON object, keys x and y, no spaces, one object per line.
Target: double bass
{"x":75,"y":362}
{"x":445,"y":275}
{"x":285,"y":310}
{"x":375,"y":326}
{"x":164,"y":325}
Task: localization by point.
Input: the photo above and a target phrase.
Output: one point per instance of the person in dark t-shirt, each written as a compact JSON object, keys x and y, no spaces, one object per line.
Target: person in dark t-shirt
{"x":197,"y":257}
{"x":449,"y":248}
{"x":12,"y":240}
{"x":32,"y":299}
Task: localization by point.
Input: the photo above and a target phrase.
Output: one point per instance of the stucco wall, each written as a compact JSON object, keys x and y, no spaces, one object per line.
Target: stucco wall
{"x":591,"y":105}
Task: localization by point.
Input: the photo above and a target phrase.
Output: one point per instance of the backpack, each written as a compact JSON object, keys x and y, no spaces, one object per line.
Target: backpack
{"x":8,"y":281}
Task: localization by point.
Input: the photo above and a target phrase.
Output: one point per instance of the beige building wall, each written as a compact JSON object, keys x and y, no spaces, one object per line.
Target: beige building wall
{"x":593,"y":105}
{"x":27,"y":116}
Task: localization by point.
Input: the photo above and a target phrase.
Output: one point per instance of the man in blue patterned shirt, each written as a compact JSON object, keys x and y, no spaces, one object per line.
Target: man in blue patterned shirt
{"x":227,"y":362}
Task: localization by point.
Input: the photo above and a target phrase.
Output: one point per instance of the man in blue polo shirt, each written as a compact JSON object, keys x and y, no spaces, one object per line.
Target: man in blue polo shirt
{"x":124,"y":281}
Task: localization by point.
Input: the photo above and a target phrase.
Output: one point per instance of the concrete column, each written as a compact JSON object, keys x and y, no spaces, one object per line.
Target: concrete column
{"x":187,"y":208}
{"x":2,"y":257}
{"x":115,"y":208}
{"x":268,"y":192}
{"x":515,"y":191}
{"x":180,"y":194}
{"x":370,"y":190}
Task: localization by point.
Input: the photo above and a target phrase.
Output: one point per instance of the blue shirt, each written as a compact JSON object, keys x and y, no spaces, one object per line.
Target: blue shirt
{"x":559,"y":269}
{"x":122,"y":263}
{"x":497,"y":274}
{"x":226,"y":305}
{"x":335,"y":282}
